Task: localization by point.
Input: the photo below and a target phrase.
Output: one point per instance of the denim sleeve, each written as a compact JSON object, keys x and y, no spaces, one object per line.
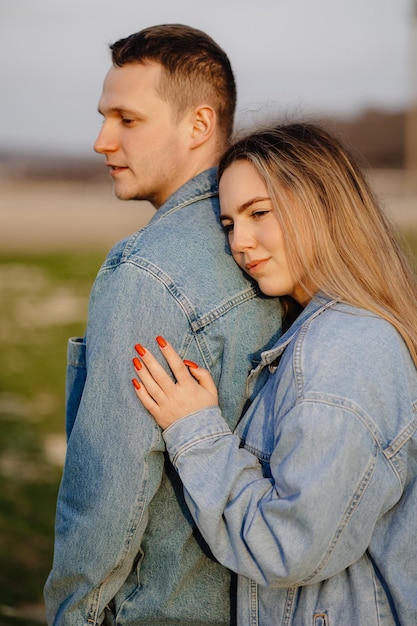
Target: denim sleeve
{"x":75,"y":381}
{"x":305,"y":518}
{"x":115,"y":450}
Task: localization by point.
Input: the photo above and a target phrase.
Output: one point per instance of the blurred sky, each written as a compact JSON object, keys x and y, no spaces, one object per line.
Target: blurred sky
{"x":304,"y":56}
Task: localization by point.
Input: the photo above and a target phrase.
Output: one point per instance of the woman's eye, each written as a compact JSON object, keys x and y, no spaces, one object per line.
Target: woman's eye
{"x":257,"y":214}
{"x":227,"y":228}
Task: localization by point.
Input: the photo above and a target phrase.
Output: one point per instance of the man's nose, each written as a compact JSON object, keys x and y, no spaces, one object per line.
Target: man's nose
{"x":106,"y":140}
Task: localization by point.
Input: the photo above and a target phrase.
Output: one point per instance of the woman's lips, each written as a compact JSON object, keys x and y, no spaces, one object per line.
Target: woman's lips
{"x":254,"y":266}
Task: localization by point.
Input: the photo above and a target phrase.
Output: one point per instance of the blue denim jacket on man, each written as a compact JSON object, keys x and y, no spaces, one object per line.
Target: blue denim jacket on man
{"x":123,"y":531}
{"x":313,"y":499}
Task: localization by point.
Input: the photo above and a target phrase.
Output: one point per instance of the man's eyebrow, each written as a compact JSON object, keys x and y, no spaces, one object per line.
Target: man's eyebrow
{"x":119,"y":110}
{"x":245,"y":206}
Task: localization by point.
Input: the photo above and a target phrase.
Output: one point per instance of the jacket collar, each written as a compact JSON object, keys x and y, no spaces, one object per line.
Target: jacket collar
{"x":204,"y":185}
{"x":315,"y":307}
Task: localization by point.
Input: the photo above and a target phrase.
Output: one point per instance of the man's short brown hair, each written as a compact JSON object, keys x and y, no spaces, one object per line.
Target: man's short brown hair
{"x":196,"y":69}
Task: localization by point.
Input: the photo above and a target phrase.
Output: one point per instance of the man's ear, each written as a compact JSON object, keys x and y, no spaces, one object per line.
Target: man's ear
{"x":204,"y":125}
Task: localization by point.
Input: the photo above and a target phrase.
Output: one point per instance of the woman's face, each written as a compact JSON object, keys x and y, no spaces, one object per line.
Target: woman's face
{"x":255,"y":236}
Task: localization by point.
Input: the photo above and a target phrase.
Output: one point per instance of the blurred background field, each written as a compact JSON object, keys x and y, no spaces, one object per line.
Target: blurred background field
{"x":42,"y":301}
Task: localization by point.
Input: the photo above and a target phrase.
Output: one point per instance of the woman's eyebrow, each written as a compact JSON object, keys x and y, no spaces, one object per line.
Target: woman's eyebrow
{"x":245,"y":206}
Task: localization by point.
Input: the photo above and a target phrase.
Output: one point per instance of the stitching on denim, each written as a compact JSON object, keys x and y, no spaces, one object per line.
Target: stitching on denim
{"x":196,"y":322}
{"x":289,"y":605}
{"x":254,"y":603}
{"x":193,"y":200}
{"x":355,"y":410}
{"x":191,"y":444}
{"x":129,"y":242}
{"x":354,"y":502}
{"x":397,"y":443}
{"x":92,"y":616}
{"x":262,"y":456}
{"x":137,"y":514}
{"x":298,"y":338}
{"x":122,"y":249}
{"x":387,"y":451}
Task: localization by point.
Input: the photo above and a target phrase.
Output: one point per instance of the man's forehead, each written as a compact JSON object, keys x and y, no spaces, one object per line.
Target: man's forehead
{"x":132,"y":86}
{"x":147,"y":72}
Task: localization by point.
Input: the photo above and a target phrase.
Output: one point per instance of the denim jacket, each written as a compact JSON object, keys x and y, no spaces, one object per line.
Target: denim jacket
{"x":124,"y":535}
{"x":313,"y":499}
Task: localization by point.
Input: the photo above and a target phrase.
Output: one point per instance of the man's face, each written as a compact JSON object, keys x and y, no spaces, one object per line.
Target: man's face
{"x":145,"y":146}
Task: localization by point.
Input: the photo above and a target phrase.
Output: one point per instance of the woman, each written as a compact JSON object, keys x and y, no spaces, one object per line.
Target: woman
{"x":312,"y":500}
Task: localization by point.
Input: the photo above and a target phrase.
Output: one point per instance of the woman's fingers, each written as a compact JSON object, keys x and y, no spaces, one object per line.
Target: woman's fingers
{"x":204,"y":378}
{"x":181,"y":373}
{"x":151,"y":371}
{"x":152,"y":392}
{"x":177,"y":366}
{"x":167,"y":400}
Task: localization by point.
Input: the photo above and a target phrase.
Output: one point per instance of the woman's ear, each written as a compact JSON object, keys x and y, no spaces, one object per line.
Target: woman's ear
{"x":204,"y":125}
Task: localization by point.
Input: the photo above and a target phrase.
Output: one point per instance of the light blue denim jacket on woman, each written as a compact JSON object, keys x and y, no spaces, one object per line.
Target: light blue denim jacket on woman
{"x":123,"y":531}
{"x":313,"y":500}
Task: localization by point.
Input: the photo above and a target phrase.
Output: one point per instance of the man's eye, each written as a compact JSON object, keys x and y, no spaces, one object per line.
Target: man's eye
{"x":227,"y":228}
{"x":127,"y":121}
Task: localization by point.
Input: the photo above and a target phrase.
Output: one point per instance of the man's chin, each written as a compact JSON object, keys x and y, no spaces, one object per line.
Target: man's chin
{"x":123,"y":194}
{"x":129,"y":194}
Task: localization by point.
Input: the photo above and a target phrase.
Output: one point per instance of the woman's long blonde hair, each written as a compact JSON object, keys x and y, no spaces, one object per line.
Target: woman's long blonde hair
{"x":336,"y":235}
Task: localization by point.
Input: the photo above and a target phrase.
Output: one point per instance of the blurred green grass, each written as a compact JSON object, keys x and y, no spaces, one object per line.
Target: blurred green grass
{"x":43,"y":301}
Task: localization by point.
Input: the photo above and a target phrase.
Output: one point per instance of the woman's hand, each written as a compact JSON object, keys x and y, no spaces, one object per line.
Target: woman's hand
{"x":167,"y":400}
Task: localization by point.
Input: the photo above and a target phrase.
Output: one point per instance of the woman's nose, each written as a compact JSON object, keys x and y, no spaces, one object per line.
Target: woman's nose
{"x":241,"y":239}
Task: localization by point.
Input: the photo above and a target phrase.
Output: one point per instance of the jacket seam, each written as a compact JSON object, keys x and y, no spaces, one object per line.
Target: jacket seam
{"x":386,"y":450}
{"x":397,"y":444}
{"x":196,"y":321}
{"x":351,"y":508}
{"x":135,"y":520}
{"x":195,"y":442}
{"x":132,"y":239}
{"x":193,"y":200}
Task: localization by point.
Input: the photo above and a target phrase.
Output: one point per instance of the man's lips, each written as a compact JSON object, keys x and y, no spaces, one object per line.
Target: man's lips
{"x":253,"y":266}
{"x":115,"y":169}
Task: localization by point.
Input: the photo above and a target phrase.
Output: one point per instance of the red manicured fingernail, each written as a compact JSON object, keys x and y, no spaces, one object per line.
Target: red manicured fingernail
{"x":190,"y":363}
{"x":161,"y":341}
{"x":135,"y":383}
{"x":140,"y":349}
{"x":137,"y":363}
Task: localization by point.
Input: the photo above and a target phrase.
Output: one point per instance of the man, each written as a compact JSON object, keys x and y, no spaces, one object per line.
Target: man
{"x":126,"y":550}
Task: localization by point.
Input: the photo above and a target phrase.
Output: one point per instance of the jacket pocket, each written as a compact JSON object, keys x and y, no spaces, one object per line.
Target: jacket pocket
{"x":75,"y":380}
